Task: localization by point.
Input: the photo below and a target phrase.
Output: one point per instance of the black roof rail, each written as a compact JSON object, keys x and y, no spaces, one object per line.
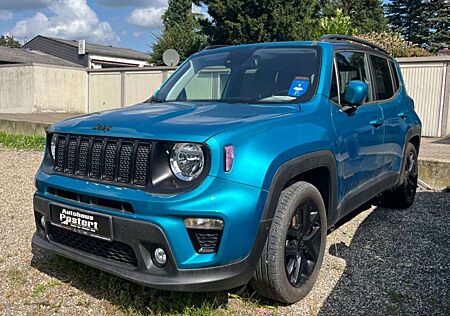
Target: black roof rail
{"x":214,"y":47}
{"x":338,"y":37}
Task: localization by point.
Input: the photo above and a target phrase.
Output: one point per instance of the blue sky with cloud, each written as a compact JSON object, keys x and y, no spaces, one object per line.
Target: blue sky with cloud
{"x":126,"y":23}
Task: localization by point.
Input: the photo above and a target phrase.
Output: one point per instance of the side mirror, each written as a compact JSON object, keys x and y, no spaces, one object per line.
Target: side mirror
{"x":355,"y":93}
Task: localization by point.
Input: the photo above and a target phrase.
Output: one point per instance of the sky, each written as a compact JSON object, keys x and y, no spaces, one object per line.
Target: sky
{"x":123,"y":23}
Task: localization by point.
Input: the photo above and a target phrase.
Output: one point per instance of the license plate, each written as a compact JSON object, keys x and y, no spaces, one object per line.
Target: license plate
{"x":81,"y":221}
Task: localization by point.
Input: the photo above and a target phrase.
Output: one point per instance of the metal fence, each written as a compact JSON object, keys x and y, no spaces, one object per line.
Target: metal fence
{"x":427,"y":81}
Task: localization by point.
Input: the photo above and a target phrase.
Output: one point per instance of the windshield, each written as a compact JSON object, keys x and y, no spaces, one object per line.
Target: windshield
{"x":248,"y":74}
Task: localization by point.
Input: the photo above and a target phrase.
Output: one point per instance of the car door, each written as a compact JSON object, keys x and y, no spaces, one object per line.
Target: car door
{"x":394,"y":107}
{"x":360,"y":132}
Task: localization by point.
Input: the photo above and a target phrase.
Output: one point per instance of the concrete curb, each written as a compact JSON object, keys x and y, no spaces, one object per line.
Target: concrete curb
{"x":23,"y":128}
{"x":435,"y":173}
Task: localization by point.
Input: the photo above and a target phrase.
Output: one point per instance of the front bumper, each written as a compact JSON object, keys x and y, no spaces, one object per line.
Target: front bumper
{"x":158,"y":222}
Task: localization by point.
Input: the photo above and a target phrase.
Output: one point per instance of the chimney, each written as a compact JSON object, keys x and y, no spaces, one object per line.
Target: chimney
{"x":81,"y":47}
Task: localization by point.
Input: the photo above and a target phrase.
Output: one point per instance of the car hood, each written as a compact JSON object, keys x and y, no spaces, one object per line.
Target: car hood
{"x":177,"y":121}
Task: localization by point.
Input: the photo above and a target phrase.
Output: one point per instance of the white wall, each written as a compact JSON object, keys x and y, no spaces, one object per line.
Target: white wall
{"x":104,"y":91}
{"x":120,"y":87}
{"x":59,"y":89}
{"x":16,"y":89}
{"x":43,"y":88}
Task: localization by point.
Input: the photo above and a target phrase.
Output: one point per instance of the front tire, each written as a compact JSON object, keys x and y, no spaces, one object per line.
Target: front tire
{"x":294,"y":251}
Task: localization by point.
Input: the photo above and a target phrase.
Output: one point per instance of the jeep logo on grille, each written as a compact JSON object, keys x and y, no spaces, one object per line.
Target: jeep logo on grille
{"x":105,"y":128}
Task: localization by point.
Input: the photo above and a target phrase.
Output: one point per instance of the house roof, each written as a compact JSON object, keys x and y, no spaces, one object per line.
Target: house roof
{"x":27,"y":56}
{"x":104,"y":50}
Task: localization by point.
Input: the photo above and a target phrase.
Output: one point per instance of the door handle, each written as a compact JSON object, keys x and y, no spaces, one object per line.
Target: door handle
{"x":376,"y":123}
{"x":402,"y":115}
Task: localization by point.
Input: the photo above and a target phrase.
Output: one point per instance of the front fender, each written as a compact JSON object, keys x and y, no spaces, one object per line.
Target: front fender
{"x":262,"y":148}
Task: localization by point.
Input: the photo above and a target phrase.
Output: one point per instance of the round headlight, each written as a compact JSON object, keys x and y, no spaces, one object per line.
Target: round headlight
{"x":187,"y":161}
{"x":53,"y":146}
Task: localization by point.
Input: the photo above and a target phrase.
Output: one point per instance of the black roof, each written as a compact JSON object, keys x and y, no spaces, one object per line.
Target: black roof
{"x":27,"y":56}
{"x":104,"y":50}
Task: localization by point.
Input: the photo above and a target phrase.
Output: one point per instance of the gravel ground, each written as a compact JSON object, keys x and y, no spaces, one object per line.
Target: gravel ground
{"x":379,"y":261}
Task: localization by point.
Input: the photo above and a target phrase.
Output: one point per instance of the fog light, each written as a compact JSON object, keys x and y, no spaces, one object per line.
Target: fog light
{"x":43,"y":221}
{"x":160,"y":257}
{"x":203,"y":223}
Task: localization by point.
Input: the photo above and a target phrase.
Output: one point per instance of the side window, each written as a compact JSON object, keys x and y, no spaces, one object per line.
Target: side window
{"x":383,"y":81}
{"x":352,"y":66}
{"x":395,"y":76}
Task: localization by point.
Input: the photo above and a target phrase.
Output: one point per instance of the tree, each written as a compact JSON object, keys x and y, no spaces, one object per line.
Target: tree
{"x":339,"y":23}
{"x":180,"y":32}
{"x":181,"y":37}
{"x":409,"y":18}
{"x":177,"y":12}
{"x":438,"y":23}
{"x":9,"y":41}
{"x":249,"y":21}
{"x":366,"y":15}
{"x":423,"y":22}
{"x":395,"y":45}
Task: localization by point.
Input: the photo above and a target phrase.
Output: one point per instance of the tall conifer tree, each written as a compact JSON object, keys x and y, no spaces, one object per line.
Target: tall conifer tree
{"x":409,"y":18}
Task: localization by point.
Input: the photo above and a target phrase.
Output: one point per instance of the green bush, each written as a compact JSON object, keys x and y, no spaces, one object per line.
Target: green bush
{"x":395,"y":45}
{"x":339,"y":23}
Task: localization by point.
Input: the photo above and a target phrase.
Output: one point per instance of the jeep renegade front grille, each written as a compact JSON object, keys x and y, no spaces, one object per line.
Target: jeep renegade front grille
{"x":113,"y":250}
{"x":109,"y":159}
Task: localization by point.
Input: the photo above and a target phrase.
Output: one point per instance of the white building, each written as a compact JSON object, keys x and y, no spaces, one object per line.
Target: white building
{"x":91,"y":56}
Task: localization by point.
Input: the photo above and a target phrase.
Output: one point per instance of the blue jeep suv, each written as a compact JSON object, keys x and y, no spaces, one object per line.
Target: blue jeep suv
{"x":232,"y":173}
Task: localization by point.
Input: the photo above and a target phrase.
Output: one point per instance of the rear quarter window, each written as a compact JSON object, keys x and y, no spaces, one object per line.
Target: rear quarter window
{"x":395,"y":76}
{"x":384,"y":88}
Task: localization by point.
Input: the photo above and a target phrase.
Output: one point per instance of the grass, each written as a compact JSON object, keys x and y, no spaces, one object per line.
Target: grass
{"x":22,"y":142}
{"x":42,"y":287}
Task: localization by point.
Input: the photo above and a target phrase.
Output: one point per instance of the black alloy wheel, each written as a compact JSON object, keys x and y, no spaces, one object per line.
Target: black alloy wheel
{"x":303,"y":243}
{"x":411,"y":175}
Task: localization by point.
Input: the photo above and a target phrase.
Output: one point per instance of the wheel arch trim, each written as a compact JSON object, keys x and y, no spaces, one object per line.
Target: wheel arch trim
{"x":295,"y":167}
{"x":412,"y":132}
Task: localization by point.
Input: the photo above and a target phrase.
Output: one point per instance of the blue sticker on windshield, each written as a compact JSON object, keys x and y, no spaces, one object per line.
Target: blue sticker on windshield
{"x":298,"y":87}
